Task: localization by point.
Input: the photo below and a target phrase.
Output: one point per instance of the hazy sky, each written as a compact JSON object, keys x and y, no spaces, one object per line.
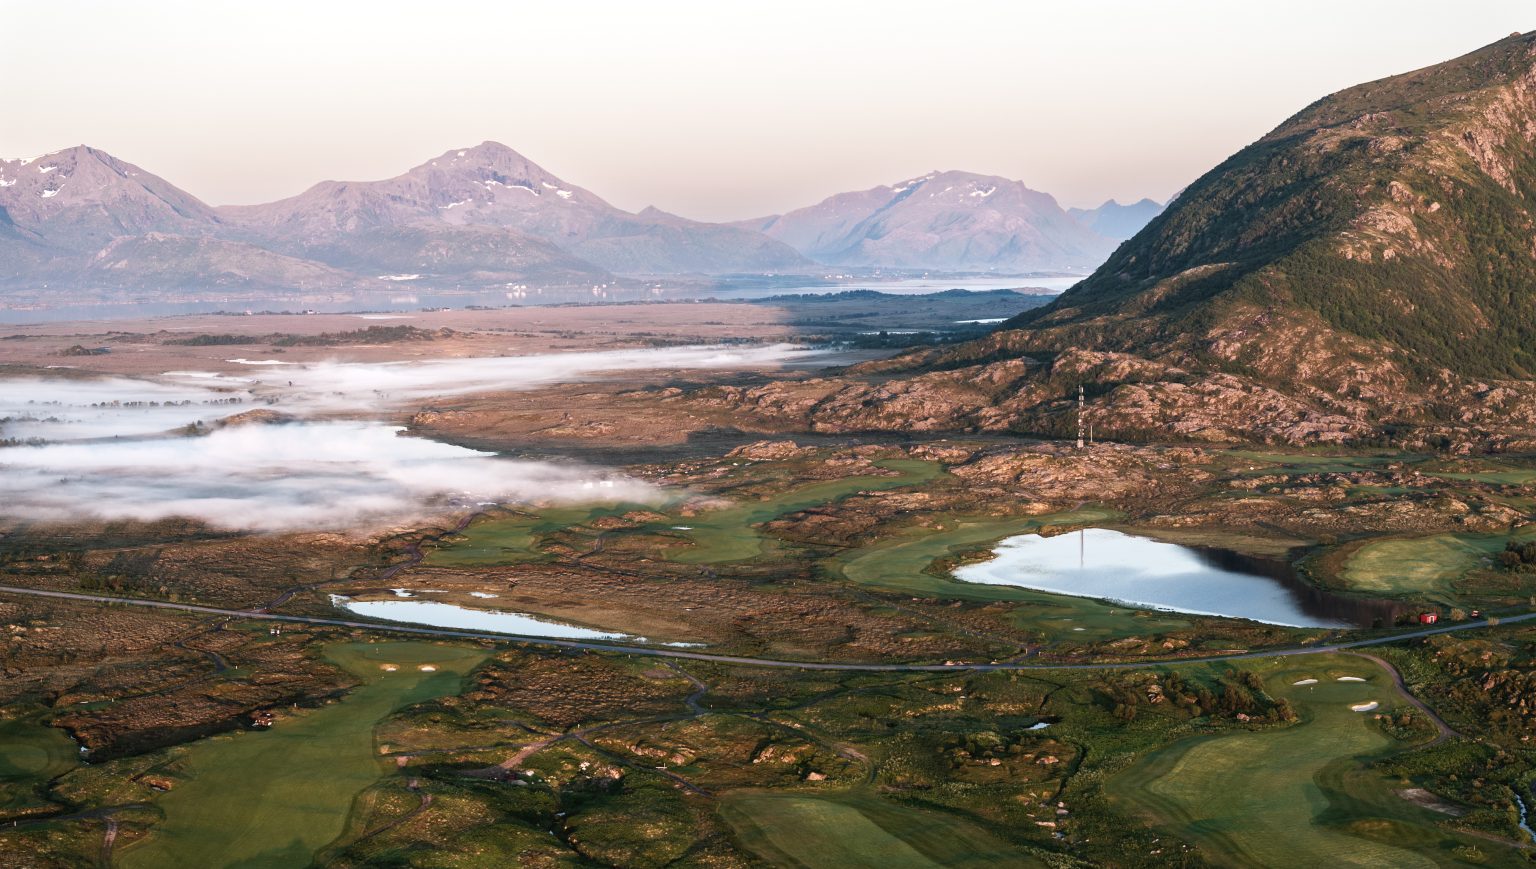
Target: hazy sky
{"x":710,"y":109}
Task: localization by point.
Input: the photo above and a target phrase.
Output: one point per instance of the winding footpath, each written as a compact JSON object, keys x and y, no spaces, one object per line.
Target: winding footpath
{"x":654,"y":652}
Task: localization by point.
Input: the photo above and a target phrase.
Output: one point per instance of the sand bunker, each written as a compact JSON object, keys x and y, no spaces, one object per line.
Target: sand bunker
{"x":388,"y":668}
{"x":428,"y":668}
{"x":1305,"y":682}
{"x":1365,"y":707}
{"x":1350,"y":679}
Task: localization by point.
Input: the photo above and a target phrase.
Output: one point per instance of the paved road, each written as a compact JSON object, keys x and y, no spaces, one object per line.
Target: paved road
{"x":654,"y":652}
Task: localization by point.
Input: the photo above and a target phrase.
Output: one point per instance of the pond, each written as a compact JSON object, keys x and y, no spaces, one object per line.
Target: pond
{"x":447,"y":615}
{"x":1151,"y":574}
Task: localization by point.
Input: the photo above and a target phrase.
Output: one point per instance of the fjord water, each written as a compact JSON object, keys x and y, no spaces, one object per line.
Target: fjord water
{"x":1145,"y":573}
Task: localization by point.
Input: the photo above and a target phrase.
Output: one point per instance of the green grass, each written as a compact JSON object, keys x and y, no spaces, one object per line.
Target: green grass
{"x":274,"y":798}
{"x":904,"y":564}
{"x":31,"y":754}
{"x":1294,"y":796}
{"x":1321,"y":462}
{"x":515,"y":539}
{"x":729,"y":534}
{"x":850,"y":831}
{"x":715,"y":536}
{"x":1421,"y":566}
{"x":1509,"y":476}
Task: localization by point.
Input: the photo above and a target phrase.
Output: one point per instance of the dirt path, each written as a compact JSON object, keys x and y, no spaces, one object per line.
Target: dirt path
{"x":108,"y":840}
{"x":1444,"y":730}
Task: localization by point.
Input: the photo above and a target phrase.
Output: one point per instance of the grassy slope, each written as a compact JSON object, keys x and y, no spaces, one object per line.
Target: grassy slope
{"x":274,"y":798}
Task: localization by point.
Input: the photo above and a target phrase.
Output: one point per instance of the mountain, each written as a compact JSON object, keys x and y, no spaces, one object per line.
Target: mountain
{"x":1115,"y":221}
{"x":1366,"y":272}
{"x":81,"y":197}
{"x":943,"y":221}
{"x":83,"y":218}
{"x":451,"y":202}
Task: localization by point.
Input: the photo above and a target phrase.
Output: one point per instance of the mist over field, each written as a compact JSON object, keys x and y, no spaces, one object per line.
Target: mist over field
{"x":284,"y":477}
{"x":375,"y":385}
{"x":103,"y":447}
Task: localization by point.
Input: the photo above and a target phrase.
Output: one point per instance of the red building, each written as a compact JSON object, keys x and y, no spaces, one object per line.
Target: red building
{"x":1428,"y":618}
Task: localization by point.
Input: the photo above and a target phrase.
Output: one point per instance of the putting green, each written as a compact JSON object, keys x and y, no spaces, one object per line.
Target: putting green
{"x":860,"y":832}
{"x":901,"y":564}
{"x":1419,"y":565}
{"x":274,"y":798}
{"x":1293,"y":796}
{"x":31,"y":753}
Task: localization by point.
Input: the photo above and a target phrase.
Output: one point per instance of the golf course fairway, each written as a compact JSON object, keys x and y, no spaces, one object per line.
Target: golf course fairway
{"x":729,"y":534}
{"x":273,"y":798}
{"x":716,"y":536}
{"x":851,"y":831}
{"x":1297,"y":795}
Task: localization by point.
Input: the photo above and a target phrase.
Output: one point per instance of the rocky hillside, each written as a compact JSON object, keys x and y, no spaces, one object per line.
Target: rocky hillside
{"x":943,"y":221}
{"x":1365,"y":272}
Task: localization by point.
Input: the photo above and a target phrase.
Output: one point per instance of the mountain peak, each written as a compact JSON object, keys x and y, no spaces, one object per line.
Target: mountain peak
{"x":948,"y":220}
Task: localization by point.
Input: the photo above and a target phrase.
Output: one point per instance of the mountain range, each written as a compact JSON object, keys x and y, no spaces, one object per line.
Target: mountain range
{"x":488,"y":217}
{"x":1365,"y":272}
{"x":943,"y":221}
{"x":1115,"y":221}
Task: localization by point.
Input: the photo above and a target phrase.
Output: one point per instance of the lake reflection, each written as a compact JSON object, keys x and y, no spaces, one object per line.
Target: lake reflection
{"x":1141,"y":572}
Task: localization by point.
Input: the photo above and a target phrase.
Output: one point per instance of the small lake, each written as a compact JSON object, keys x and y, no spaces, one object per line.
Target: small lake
{"x":1150,"y":574}
{"x":447,"y":615}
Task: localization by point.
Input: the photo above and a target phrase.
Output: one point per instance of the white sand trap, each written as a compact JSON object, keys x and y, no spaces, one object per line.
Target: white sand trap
{"x":428,"y":668}
{"x":1350,"y":679}
{"x":1365,"y":707}
{"x":1305,"y":682}
{"x":388,"y":668}
{"x":483,"y":594}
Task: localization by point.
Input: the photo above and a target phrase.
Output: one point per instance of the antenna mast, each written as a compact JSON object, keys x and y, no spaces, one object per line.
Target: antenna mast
{"x":1079,"y":416}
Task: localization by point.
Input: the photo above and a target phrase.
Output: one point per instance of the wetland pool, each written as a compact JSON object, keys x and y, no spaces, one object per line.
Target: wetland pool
{"x":447,"y":615}
{"x":1141,"y":572}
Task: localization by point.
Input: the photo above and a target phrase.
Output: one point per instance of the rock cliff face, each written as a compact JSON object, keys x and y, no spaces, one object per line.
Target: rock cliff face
{"x":1365,"y":271}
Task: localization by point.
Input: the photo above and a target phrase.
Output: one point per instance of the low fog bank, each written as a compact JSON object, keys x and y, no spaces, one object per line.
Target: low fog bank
{"x":285,"y":477}
{"x":56,"y":408}
{"x":99,"y":447}
{"x":339,"y":386}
